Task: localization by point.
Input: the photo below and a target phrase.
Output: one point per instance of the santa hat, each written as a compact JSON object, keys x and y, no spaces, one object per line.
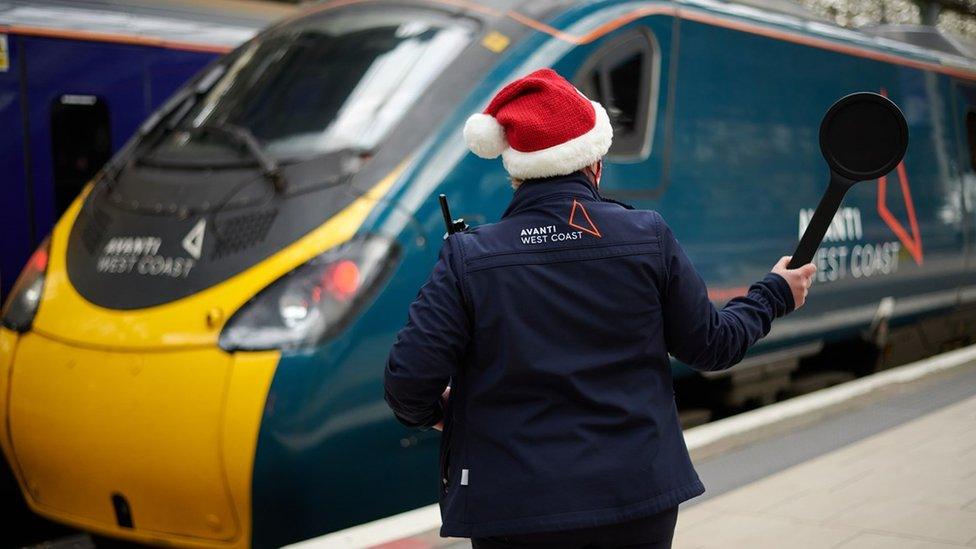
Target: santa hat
{"x":542,"y":126}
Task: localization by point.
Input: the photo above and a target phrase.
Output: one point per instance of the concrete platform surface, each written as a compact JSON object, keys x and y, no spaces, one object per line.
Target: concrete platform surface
{"x":913,"y":485}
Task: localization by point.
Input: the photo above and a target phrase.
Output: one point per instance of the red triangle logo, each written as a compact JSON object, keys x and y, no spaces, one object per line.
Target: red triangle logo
{"x":577,"y":215}
{"x":912,"y":243}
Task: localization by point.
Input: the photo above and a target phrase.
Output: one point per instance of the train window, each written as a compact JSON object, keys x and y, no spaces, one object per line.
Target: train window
{"x":971,"y":134}
{"x":81,"y":143}
{"x":337,"y":81}
{"x":623,"y":76}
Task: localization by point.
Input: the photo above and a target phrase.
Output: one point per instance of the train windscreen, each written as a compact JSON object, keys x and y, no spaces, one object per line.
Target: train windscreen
{"x":331,"y":82}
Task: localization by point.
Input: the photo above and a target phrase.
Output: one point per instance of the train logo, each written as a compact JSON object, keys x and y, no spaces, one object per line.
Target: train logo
{"x":193,"y":241}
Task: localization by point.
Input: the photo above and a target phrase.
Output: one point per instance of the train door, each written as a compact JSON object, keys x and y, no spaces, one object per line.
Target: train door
{"x":80,"y":97}
{"x":627,"y":72}
{"x":965,"y":118}
{"x":81,"y":143}
{"x":81,"y":102}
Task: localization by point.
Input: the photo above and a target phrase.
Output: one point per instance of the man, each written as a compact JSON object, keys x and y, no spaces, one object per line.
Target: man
{"x":553,"y":328}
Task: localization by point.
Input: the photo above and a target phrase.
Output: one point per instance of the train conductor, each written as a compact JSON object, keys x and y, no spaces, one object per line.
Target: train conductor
{"x":540,"y":344}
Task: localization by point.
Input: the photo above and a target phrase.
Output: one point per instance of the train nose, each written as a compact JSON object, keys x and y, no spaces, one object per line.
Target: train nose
{"x":151,"y":445}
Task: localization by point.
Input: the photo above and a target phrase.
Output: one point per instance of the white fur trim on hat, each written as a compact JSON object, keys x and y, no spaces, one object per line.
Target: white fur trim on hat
{"x":484,"y":135}
{"x":564,"y":158}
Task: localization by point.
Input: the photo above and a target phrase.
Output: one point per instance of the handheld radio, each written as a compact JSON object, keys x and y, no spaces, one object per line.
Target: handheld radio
{"x":453,"y":225}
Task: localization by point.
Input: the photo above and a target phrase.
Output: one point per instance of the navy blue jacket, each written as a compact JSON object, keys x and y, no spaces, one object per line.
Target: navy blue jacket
{"x":553,"y":328}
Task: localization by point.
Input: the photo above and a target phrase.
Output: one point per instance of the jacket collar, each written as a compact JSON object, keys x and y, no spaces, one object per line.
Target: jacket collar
{"x":533,"y":191}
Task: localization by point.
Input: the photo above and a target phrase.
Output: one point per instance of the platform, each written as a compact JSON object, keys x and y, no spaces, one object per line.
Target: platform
{"x":884,"y":461}
{"x":913,"y":484}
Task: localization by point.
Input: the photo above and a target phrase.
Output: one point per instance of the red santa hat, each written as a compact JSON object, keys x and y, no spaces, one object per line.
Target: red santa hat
{"x":542,"y":126}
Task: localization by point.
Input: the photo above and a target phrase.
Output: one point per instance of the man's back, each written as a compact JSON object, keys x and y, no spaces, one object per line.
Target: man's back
{"x":554,"y":326}
{"x":567,"y":392}
{"x":552,"y":329}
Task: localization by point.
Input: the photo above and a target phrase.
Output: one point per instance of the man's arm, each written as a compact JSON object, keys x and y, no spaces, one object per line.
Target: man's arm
{"x":709,"y":339}
{"x":429,"y":347}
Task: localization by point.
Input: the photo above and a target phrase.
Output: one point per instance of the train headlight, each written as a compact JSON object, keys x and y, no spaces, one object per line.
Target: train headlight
{"x":25,"y":296}
{"x":314,"y":301}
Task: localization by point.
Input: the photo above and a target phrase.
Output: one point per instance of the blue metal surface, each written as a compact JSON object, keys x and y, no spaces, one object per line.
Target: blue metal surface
{"x":131,"y":79}
{"x":95,"y":70}
{"x":15,"y":219}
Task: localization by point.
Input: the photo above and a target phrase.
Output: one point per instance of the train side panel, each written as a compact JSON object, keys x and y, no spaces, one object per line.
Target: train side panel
{"x":746,"y":172}
{"x":15,"y":245}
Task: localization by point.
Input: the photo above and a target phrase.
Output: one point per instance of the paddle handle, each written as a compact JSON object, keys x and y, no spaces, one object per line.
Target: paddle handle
{"x":820,"y":222}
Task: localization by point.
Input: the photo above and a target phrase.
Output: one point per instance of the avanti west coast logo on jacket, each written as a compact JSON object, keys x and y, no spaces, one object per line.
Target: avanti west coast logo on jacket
{"x":579,"y":220}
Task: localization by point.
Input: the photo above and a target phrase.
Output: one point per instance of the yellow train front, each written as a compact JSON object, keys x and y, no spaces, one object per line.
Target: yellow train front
{"x":193,"y":356}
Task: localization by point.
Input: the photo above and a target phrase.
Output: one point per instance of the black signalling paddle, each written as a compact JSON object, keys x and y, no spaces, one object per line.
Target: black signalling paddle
{"x":863,"y":136}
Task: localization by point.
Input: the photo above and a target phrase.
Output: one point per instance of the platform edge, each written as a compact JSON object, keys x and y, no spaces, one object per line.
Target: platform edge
{"x":732,"y":432}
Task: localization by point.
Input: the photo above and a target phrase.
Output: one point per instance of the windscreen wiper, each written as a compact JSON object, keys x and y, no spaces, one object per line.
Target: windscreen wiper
{"x":180,"y":103}
{"x":243,"y":136}
{"x":176,"y":107}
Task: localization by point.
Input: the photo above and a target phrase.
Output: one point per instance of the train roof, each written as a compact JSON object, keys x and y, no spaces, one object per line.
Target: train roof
{"x":925,"y":36}
{"x":782,"y":19}
{"x":220,"y":25}
{"x":213,"y":25}
{"x":956,"y":55}
{"x":786,"y":7}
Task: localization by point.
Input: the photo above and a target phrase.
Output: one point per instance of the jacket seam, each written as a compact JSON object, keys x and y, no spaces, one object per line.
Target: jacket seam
{"x":566,"y":260}
{"x":462,"y":456}
{"x":541,"y":198}
{"x":658,"y":221}
{"x":557,"y":250}
{"x":462,"y":273}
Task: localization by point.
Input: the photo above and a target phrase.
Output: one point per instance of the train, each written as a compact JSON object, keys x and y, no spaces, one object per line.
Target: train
{"x":195,"y":355}
{"x":77,"y":79}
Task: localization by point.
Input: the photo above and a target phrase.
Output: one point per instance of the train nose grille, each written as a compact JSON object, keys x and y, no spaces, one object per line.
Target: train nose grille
{"x":237,"y":233}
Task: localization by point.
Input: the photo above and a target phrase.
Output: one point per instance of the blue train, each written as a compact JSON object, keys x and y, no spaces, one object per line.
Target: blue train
{"x":195,"y":356}
{"x":77,"y":79}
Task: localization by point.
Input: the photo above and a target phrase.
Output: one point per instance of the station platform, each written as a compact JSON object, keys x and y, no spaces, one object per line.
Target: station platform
{"x":888,"y":461}
{"x":912,"y":484}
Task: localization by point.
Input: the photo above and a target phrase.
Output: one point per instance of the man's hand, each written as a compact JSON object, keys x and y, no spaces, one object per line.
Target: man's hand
{"x":445,"y":396}
{"x":799,"y":279}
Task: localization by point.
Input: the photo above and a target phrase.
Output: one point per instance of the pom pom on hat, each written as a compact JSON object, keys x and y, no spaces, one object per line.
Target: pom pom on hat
{"x":485,"y":136}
